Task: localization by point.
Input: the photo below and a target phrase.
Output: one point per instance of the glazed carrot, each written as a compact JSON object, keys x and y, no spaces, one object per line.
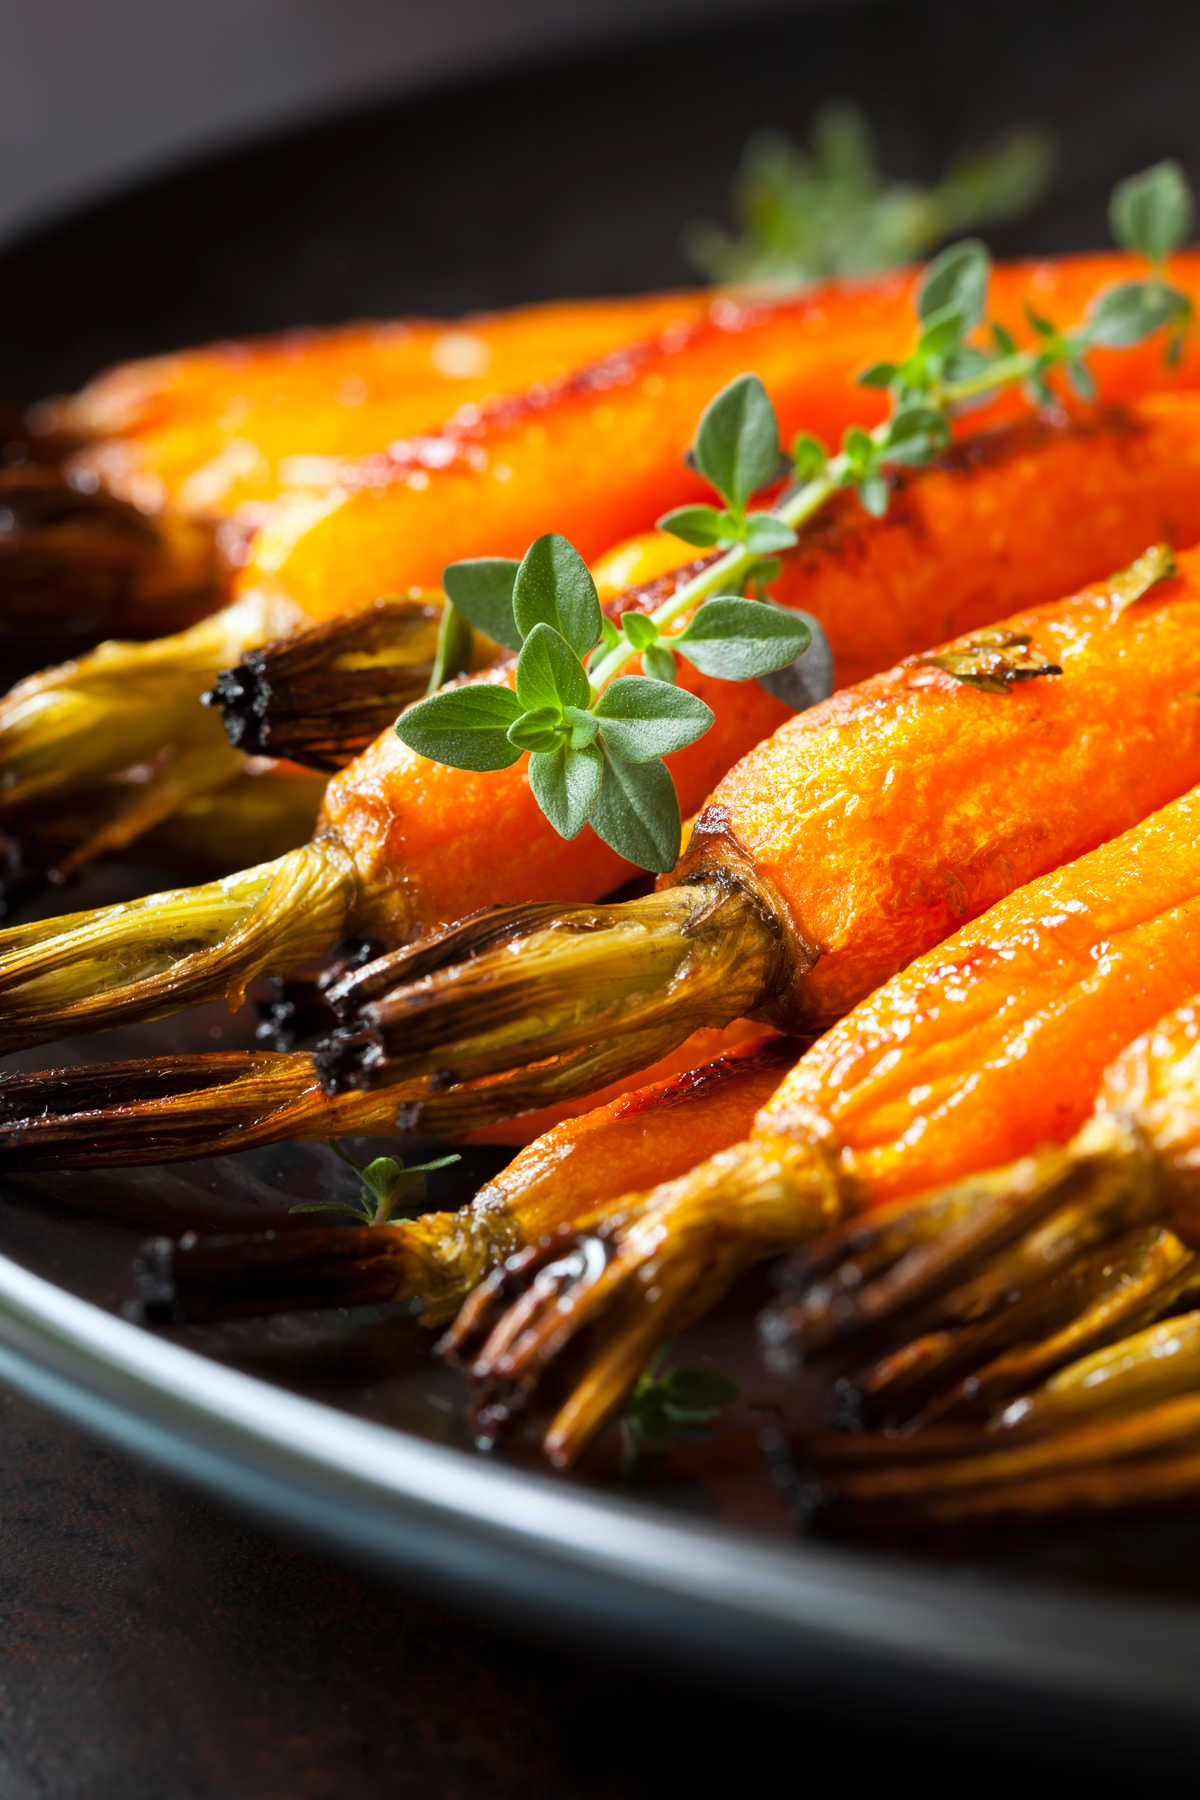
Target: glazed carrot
{"x":120,"y":537}
{"x":608,"y":443}
{"x":657,"y":1130}
{"x":981,"y":1049}
{"x":856,"y":837}
{"x":595,"y":456}
{"x":211,"y":429}
{"x":405,"y":844}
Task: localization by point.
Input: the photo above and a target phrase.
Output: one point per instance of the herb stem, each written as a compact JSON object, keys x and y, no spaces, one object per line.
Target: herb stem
{"x":800,"y":504}
{"x":726,"y":574}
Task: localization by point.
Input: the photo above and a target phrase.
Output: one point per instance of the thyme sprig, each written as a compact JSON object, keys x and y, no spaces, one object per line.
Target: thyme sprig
{"x":804,"y":214}
{"x":681,"y":1404}
{"x":596,"y":737}
{"x":385,"y":1184}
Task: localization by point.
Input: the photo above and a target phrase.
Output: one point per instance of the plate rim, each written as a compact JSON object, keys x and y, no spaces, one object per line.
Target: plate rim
{"x":451,"y":1519}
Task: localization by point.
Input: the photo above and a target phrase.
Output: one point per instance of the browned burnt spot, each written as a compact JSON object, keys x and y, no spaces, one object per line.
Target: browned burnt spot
{"x":994,"y":660}
{"x":450,"y":447}
{"x":692,"y":1083}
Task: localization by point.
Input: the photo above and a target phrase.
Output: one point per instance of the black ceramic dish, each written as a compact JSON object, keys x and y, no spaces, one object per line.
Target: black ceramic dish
{"x":572,"y":178}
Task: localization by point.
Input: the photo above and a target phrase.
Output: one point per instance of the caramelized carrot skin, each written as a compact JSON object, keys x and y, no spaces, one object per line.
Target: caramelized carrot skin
{"x":895,"y":811}
{"x":602,"y":454}
{"x":657,"y":1131}
{"x":1022,"y":517}
{"x":1156,"y":1081}
{"x":996,"y":1041}
{"x":214,"y":428}
{"x":703,"y":1047}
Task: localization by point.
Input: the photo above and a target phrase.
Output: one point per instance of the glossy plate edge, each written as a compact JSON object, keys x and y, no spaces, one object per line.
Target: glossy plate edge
{"x":544,"y":1554}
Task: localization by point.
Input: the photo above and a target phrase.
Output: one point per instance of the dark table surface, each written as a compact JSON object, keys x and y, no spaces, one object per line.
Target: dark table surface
{"x":159,"y":1647}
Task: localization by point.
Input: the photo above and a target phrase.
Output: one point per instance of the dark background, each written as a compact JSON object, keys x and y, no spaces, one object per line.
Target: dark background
{"x":151,"y":1646}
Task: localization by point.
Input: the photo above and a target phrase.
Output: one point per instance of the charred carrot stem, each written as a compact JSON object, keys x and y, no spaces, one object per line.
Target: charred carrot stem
{"x":848,"y":843}
{"x":437,"y":1259}
{"x":92,"y":565}
{"x":877,"y":1109}
{"x":321,"y":696}
{"x":701,"y":948}
{"x":141,"y":958}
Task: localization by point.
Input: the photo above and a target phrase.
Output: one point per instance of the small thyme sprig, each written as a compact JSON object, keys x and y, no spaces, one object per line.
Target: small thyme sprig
{"x":385,"y":1184}
{"x":679,"y":1405}
{"x":805,"y":214}
{"x":596,"y":737}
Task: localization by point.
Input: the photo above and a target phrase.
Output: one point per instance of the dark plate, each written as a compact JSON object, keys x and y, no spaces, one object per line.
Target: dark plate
{"x":572,"y":178}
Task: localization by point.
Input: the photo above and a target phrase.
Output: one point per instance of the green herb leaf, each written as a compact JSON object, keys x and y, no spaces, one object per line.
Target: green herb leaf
{"x":640,"y":630}
{"x":453,"y":653}
{"x":915,"y":434}
{"x":636,"y":812}
{"x":874,"y":495}
{"x":803,"y":214}
{"x":695,"y":1393}
{"x":1132,"y":311}
{"x":641,"y":718}
{"x":549,"y":674}
{"x":554,"y":586}
{"x":809,"y":456}
{"x":565,"y":783}
{"x":738,"y":639}
{"x":659,"y":663}
{"x":544,"y":729}
{"x":1152,"y":212}
{"x":764,"y":532}
{"x":737,"y":441}
{"x":699,"y":525}
{"x":878,"y":375}
{"x":583,"y":726}
{"x":385,"y":1183}
{"x":680,"y":1404}
{"x":957,"y":279}
{"x":481,"y":588}
{"x":464,"y":727}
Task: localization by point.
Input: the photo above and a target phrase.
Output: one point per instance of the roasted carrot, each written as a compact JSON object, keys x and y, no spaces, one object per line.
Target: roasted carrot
{"x":595,"y":456}
{"x":437,"y":1258}
{"x":108,"y":527}
{"x":983,"y":1048}
{"x":856,"y":837}
{"x":398,"y":851}
{"x":211,"y":429}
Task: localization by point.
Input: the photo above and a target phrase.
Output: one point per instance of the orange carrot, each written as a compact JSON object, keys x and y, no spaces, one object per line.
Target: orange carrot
{"x":213,"y":429}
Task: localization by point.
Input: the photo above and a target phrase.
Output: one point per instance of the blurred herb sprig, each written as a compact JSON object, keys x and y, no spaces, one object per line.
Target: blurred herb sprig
{"x":802,"y":214}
